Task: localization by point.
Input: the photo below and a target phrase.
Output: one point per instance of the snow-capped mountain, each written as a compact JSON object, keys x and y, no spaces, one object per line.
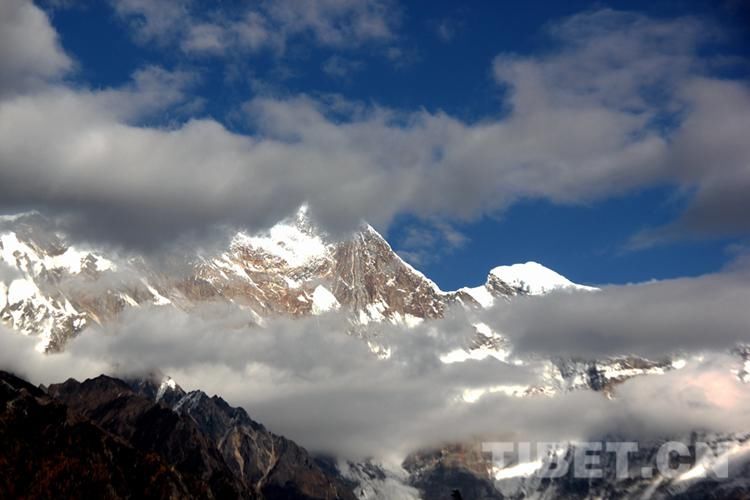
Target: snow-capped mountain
{"x":533,"y":278}
{"x":35,"y":259}
{"x":530,"y":278}
{"x":53,"y":289}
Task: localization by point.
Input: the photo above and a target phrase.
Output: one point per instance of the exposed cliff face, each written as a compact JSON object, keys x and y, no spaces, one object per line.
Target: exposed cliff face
{"x":459,"y":468}
{"x":369,"y":277}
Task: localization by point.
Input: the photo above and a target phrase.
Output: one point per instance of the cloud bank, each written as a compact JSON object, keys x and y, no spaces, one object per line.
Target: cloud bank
{"x":622,"y":103}
{"x":311,"y":381}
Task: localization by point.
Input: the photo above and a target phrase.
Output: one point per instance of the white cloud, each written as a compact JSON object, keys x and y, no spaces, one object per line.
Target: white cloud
{"x":309,"y":380}
{"x":337,"y":22}
{"x":154,"y":20}
{"x":711,"y":161}
{"x":18,"y":355}
{"x":204,"y":38}
{"x":580,"y":127}
{"x":30,"y":51}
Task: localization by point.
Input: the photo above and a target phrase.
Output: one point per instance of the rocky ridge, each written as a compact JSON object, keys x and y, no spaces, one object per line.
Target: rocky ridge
{"x":114,"y":439}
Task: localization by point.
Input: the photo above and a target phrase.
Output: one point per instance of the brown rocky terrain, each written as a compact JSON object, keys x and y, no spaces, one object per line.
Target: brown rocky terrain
{"x":105,"y":438}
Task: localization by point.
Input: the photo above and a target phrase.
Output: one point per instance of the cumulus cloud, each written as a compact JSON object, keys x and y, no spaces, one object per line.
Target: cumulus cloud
{"x":72,"y":151}
{"x":711,"y":159}
{"x":30,"y":51}
{"x":629,"y":72}
{"x":584,"y":122}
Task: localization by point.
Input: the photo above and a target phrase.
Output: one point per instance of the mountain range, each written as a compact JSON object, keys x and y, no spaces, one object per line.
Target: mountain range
{"x":293,"y":269}
{"x":147,"y":437}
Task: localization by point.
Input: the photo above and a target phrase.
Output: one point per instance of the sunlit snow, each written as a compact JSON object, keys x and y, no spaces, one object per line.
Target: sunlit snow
{"x":535,"y":279}
{"x":323,"y":300}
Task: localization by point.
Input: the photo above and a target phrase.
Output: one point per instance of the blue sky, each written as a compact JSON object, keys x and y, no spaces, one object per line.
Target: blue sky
{"x":445,"y":74}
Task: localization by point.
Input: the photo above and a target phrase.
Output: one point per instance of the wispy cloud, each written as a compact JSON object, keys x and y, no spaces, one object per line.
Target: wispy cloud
{"x":447,"y":28}
{"x":430,"y":241}
{"x":219,"y":30}
{"x":341,"y":68}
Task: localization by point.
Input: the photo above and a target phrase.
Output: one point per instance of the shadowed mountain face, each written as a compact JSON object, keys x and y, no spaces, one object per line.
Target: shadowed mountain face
{"x":104,"y":439}
{"x":151,"y":428}
{"x":273,"y":465}
{"x":107,"y":438}
{"x":46,"y":448}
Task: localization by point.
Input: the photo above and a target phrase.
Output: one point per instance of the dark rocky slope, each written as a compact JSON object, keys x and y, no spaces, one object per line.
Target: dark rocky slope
{"x":103,"y":438}
{"x":48,"y":450}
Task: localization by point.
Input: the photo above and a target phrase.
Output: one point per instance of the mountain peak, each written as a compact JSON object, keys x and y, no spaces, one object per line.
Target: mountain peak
{"x":532,"y":278}
{"x":294,"y":240}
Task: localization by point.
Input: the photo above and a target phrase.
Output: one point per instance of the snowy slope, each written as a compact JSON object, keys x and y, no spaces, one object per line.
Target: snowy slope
{"x":481,"y":294}
{"x":530,"y":278}
{"x":533,"y":278}
{"x":294,"y":241}
{"x":43,"y":290}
